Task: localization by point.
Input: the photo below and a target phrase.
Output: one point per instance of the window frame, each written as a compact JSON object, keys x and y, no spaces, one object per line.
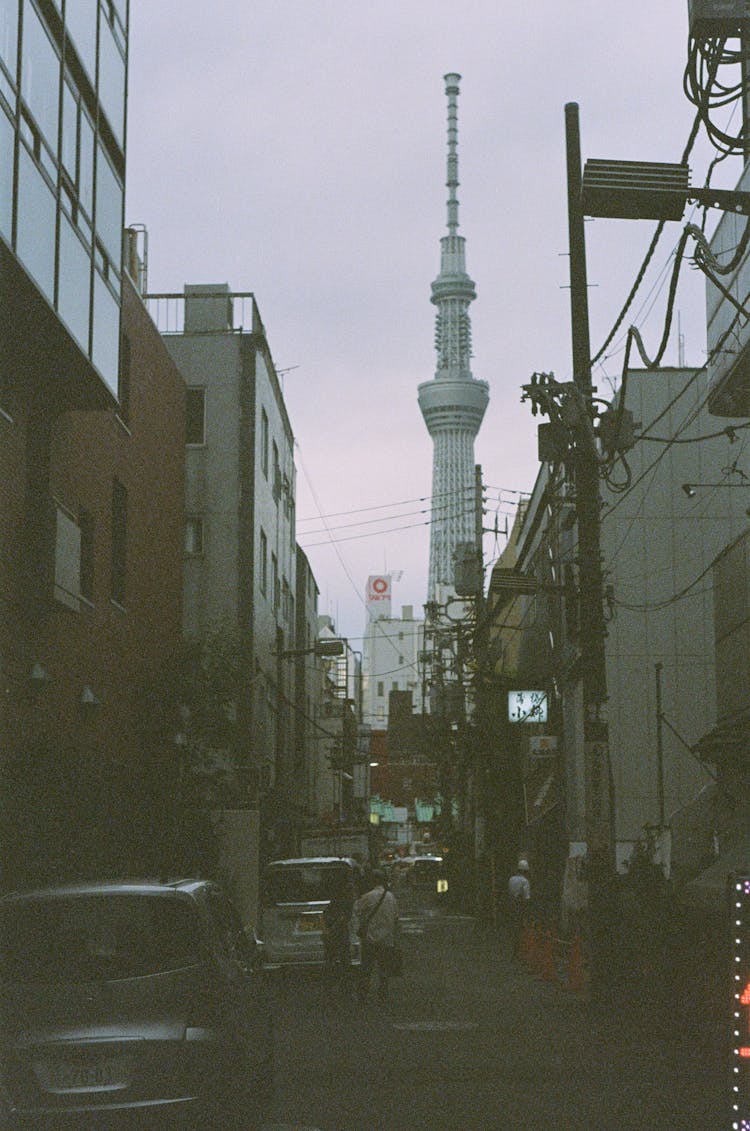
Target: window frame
{"x":193,"y":390}
{"x":195,"y":523}
{"x":119,"y":543}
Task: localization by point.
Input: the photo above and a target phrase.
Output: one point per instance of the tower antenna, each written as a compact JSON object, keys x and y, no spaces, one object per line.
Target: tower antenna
{"x":453,"y":403}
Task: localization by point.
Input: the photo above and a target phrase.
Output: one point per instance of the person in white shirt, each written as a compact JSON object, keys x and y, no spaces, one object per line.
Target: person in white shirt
{"x":519,"y":895}
{"x":377,"y":917}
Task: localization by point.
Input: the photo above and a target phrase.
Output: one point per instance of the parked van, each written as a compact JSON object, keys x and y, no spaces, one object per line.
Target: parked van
{"x":294,"y":895}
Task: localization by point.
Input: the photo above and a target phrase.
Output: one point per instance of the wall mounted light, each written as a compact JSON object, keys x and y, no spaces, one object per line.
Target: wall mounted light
{"x":689,"y":489}
{"x":88,"y":700}
{"x":39,"y":677}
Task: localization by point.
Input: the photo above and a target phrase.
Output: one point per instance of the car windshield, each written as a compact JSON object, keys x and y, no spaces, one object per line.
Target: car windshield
{"x":302,"y":883}
{"x":86,"y":938}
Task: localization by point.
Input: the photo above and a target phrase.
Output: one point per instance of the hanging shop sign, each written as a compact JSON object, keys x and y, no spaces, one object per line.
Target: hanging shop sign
{"x":527,"y":706}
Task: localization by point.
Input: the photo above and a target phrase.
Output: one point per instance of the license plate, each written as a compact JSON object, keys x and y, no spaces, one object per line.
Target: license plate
{"x":69,"y":1076}
{"x":310,"y":923}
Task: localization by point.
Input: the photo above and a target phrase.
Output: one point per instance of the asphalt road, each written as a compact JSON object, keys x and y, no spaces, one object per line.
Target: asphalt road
{"x":470,"y":1040}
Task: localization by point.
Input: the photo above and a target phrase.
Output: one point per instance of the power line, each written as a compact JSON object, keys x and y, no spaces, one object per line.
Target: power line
{"x":649,"y":253}
{"x":374,"y":533}
{"x":383,"y":506}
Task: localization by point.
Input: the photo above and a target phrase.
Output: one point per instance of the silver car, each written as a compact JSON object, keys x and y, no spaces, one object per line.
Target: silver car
{"x":140,"y":999}
{"x":294,"y":895}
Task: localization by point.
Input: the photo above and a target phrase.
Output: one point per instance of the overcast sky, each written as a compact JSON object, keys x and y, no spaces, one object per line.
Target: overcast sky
{"x":297,"y":149}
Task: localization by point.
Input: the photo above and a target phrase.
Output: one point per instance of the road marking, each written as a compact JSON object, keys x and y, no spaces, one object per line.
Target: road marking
{"x":287,"y":1127}
{"x":435,"y":1026}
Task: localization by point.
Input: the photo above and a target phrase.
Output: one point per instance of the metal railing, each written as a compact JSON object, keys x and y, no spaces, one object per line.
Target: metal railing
{"x":167,"y":311}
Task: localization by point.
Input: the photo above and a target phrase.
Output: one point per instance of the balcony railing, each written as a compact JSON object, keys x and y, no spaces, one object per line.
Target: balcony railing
{"x":239,"y":312}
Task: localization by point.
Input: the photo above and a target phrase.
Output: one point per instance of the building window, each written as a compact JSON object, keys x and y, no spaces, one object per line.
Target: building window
{"x":194,"y":535}
{"x":86,"y":526}
{"x":276,"y":473}
{"x":67,"y":559}
{"x":264,"y":442}
{"x":381,"y":688}
{"x":195,"y":416}
{"x":119,"y":540}
{"x":123,"y":381}
{"x":401,"y":659}
{"x":263,"y":563}
{"x":275,"y":580}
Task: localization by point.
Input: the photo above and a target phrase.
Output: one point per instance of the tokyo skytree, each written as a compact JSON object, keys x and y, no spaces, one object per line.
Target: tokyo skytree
{"x":453,"y":402}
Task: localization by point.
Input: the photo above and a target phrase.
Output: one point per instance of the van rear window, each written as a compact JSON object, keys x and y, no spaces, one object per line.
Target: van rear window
{"x":302,"y":883}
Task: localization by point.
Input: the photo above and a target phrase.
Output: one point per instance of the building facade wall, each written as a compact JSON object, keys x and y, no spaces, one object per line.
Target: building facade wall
{"x":391,"y":650}
{"x":657,"y":544}
{"x":76,"y":768}
{"x":240,"y":486}
{"x":211,"y":362}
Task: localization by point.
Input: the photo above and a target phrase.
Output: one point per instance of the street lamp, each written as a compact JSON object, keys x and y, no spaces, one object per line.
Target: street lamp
{"x":690,"y":488}
{"x":649,"y":190}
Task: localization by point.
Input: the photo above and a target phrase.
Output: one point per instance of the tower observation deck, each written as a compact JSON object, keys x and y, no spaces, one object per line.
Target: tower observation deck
{"x":453,"y":402}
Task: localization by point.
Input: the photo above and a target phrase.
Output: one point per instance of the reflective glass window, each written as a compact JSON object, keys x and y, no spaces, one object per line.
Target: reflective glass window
{"x":6,"y":90}
{"x":111,"y":80}
{"x":109,"y":200}
{"x":121,"y":7}
{"x":35,"y":239}
{"x":106,"y":345}
{"x":40,"y":75}
{"x":7,"y":137}
{"x":69,"y":144}
{"x":86,"y":165}
{"x":80,"y":21}
{"x":9,"y":35}
{"x":74,"y":284}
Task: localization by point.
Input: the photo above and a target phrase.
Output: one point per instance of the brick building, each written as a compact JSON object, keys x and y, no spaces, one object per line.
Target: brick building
{"x":91,"y":586}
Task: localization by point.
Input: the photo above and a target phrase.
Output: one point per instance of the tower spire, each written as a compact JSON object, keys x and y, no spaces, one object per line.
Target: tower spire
{"x":451,"y":89}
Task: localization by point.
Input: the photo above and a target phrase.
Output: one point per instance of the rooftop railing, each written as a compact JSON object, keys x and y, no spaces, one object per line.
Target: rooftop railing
{"x":208,"y":312}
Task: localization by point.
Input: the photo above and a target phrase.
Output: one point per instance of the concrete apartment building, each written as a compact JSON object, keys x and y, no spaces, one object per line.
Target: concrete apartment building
{"x":309,"y":680}
{"x":240,"y":549}
{"x":92,"y":443}
{"x":390,"y":652}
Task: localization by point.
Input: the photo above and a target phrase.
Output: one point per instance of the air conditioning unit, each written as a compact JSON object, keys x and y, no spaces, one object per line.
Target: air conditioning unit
{"x":709,"y":18}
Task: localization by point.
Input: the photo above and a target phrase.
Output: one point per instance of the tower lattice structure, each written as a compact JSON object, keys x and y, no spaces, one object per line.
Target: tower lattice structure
{"x":453,"y":403}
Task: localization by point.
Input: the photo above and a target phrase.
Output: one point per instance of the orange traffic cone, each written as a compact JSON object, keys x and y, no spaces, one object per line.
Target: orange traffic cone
{"x":577,"y":981}
{"x":548,"y":972}
{"x":536,"y":957}
{"x":526,"y":950}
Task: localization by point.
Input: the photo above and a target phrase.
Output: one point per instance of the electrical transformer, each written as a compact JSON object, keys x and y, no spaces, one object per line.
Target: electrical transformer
{"x":710,"y":18}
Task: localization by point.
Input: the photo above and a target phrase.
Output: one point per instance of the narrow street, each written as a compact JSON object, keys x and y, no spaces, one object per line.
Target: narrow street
{"x":469,"y":1040}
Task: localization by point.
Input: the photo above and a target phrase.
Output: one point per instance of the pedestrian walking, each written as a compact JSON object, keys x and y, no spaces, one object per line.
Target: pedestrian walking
{"x":519,"y":897}
{"x":337,"y":919}
{"x":377,"y":916}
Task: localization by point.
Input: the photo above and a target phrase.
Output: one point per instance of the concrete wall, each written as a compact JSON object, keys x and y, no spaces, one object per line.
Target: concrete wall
{"x":212,"y":362}
{"x":656,"y":543}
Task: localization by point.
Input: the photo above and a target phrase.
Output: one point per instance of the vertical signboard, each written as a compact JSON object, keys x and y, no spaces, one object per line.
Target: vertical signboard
{"x":379,"y":595}
{"x":740,"y":922}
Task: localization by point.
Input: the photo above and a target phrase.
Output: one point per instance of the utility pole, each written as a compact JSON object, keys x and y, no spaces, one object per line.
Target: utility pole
{"x":659,"y":748}
{"x":598,"y":777}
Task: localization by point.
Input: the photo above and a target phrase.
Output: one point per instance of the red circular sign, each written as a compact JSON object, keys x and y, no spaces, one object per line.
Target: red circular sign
{"x":380,"y":585}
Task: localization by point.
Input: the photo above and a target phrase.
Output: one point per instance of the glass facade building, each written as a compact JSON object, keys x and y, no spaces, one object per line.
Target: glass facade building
{"x":63,"y":77}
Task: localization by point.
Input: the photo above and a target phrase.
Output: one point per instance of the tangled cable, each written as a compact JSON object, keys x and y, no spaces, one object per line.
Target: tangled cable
{"x":709,"y":93}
